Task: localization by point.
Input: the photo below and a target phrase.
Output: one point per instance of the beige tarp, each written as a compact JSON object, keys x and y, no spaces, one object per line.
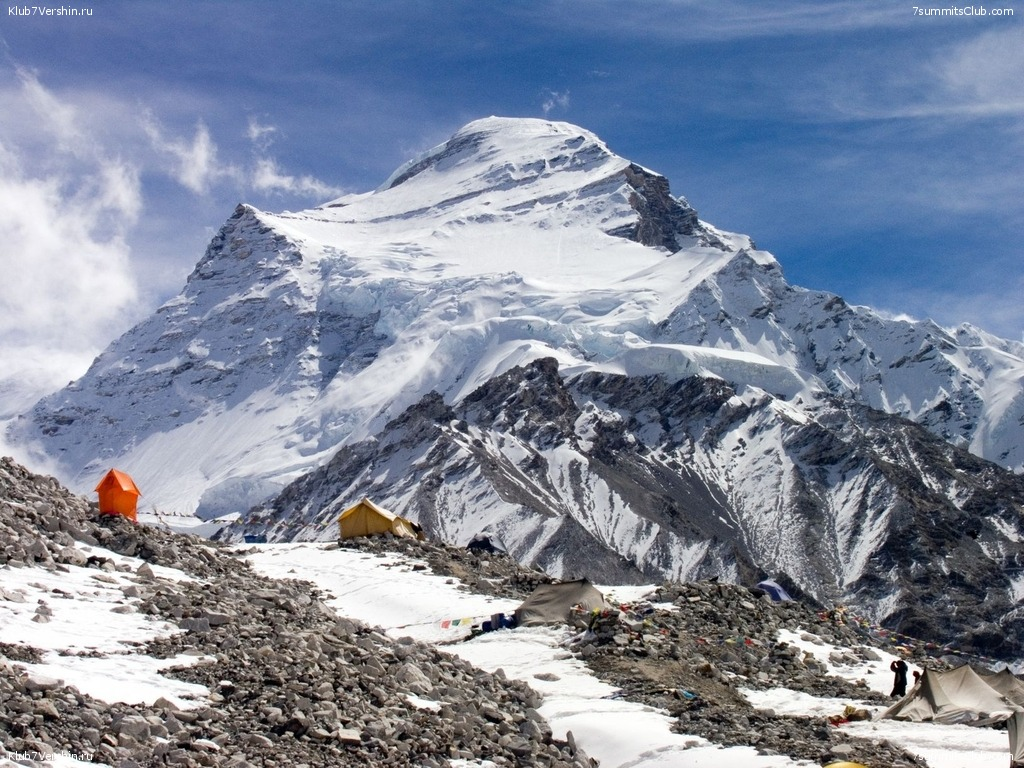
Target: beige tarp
{"x":1006,"y":683}
{"x":367,"y":519}
{"x":1015,"y":730}
{"x":961,"y":695}
{"x":958,"y":695}
{"x":552,"y":603}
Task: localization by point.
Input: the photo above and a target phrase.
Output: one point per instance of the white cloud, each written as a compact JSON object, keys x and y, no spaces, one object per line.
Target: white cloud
{"x":60,"y":119}
{"x":267,"y":177}
{"x":689,"y":20}
{"x":555,"y":99}
{"x":68,"y":282}
{"x":983,"y":75}
{"x":194,"y":161}
{"x":65,"y":259}
{"x":261,"y":136}
{"x":973,"y":78}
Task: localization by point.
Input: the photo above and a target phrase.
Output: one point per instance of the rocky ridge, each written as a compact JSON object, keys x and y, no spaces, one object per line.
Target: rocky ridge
{"x":693,"y":647}
{"x":864,"y":508}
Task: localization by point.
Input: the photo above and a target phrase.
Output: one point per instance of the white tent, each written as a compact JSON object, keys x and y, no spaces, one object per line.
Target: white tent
{"x":1006,"y":683}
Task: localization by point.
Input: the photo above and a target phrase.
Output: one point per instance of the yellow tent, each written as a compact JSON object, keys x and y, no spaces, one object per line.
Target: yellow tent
{"x":118,"y":494}
{"x":367,"y":519}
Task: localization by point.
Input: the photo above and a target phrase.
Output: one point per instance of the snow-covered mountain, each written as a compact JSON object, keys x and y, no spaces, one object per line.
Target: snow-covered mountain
{"x":521,"y":330}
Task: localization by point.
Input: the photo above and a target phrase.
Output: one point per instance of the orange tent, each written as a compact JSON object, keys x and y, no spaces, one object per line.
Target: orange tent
{"x":118,"y":494}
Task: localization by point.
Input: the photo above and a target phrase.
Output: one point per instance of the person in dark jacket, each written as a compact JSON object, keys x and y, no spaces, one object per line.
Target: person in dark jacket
{"x":899,"y":683}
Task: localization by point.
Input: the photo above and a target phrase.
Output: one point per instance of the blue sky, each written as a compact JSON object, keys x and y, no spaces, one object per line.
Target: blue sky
{"x":878,"y":153}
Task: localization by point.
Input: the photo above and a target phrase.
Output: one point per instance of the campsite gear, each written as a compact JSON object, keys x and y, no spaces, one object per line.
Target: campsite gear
{"x":774,"y":590}
{"x":367,"y":519}
{"x":553,"y":603}
{"x":118,"y":495}
{"x":850,"y":714}
{"x":962,"y":695}
{"x":597,"y":620}
{"x":498,"y":621}
{"x":854,"y":714}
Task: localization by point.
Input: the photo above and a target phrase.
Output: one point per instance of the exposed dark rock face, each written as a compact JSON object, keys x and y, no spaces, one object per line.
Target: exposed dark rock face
{"x":663,"y":219}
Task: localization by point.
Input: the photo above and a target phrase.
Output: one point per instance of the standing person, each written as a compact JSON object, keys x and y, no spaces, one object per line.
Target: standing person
{"x":899,"y":683}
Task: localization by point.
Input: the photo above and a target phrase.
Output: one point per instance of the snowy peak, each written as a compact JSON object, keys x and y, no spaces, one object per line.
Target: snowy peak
{"x":507,"y":169}
{"x":488,"y":149}
{"x":496,"y":151}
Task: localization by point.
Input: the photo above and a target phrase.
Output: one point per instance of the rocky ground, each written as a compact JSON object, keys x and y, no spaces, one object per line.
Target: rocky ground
{"x":292,"y":683}
{"x":692,"y":646}
{"x":691,"y":658}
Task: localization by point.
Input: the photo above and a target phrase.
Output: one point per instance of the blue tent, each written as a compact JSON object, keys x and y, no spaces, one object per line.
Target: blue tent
{"x":775,"y":591}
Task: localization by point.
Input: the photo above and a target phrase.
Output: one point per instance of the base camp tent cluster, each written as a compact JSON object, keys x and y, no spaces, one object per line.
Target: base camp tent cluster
{"x":969,"y":696}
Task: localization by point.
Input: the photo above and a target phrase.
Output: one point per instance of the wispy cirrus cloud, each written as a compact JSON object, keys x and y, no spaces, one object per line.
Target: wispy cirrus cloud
{"x":555,"y":100}
{"x":976,"y":78}
{"x":268,"y":177}
{"x":729,"y":20}
{"x":260,"y":136}
{"x":193,"y":161}
{"x":196,"y":165}
{"x":982,"y":77}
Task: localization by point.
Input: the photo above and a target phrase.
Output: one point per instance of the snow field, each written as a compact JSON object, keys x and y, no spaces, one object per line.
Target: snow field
{"x":387,"y":592}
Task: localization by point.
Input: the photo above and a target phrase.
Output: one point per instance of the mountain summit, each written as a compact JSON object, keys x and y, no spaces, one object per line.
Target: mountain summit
{"x":522,"y":332}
